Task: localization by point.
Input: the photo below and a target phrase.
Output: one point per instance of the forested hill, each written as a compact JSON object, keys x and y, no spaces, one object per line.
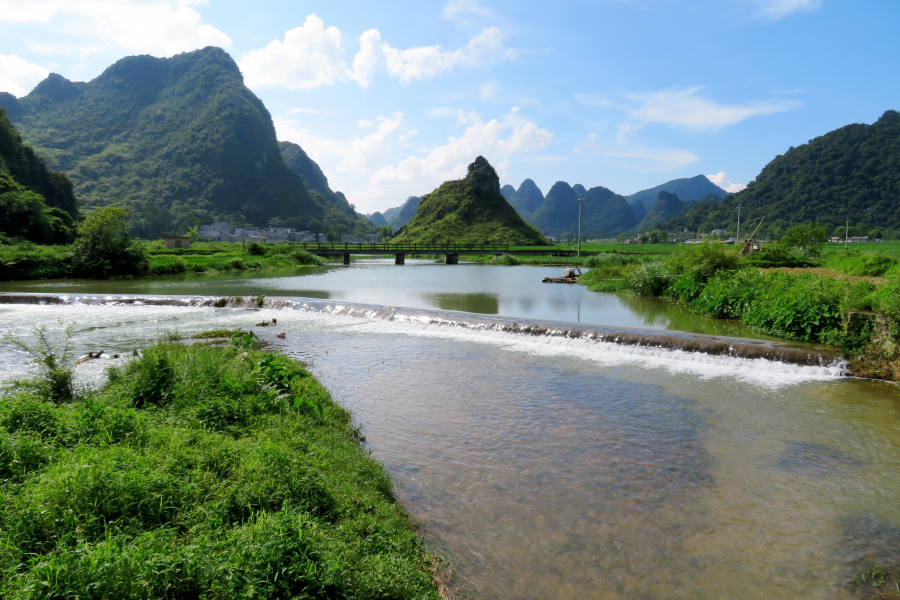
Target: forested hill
{"x":470,"y":210}
{"x":182,"y":140}
{"x":35,"y":203}
{"x":340,"y":216}
{"x":851,"y":173}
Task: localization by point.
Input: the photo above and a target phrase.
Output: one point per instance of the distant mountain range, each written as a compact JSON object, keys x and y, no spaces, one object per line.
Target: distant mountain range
{"x":850,"y":174}
{"x":181,"y":140}
{"x":605,"y":213}
{"x":469,"y":210}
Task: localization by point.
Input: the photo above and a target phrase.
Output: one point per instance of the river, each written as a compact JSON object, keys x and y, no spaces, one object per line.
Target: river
{"x":548,"y":467}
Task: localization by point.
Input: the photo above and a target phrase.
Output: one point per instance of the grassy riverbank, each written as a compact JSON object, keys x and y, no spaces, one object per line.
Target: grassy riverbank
{"x":197,"y":471}
{"x":30,"y":261}
{"x":854,"y":304}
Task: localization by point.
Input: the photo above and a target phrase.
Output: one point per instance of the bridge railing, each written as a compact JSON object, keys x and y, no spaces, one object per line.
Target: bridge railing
{"x":404,"y":247}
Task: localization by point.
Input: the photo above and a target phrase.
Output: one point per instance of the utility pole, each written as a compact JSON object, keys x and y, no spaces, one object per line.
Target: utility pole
{"x":580,"y":203}
{"x":846,"y":234}
{"x":738,"y":234}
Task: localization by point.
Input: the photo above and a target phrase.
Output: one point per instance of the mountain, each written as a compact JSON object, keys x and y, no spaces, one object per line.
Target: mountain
{"x":604,"y":214}
{"x":507,"y":191}
{"x":35,"y":203}
{"x":182,"y":140}
{"x":469,"y":210}
{"x":691,"y":188}
{"x":527,"y":199}
{"x":391,"y":214}
{"x":377,"y":219}
{"x":579,"y":189}
{"x":852,"y":173}
{"x":667,"y":206}
{"x":406,"y":213}
{"x":339,"y":214}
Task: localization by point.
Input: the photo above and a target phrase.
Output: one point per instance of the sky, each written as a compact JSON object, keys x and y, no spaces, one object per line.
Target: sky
{"x":393,"y":98}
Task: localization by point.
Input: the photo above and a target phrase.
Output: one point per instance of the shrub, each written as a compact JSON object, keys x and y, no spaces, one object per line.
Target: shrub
{"x":55,"y":380}
{"x":703,"y":261}
{"x":256,"y":249}
{"x":104,"y":248}
{"x":650,"y":279}
{"x":507,"y":260}
{"x":236,"y":263}
{"x":304,"y":257}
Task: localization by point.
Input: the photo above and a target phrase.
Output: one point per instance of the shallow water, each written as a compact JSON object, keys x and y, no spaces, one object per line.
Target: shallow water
{"x":556,"y":468}
{"x":492,"y":290}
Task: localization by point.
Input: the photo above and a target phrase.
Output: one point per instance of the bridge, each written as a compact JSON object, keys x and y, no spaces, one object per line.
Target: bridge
{"x":451,"y":252}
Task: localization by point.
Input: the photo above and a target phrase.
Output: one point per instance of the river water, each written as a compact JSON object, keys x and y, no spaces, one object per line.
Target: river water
{"x":544,"y":467}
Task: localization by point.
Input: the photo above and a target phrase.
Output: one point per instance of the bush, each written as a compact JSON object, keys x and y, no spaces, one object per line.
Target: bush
{"x":55,"y":381}
{"x":703,"y":261}
{"x":104,"y":248}
{"x":256,"y":249}
{"x":650,"y":279}
{"x":507,"y":260}
{"x":304,"y":257}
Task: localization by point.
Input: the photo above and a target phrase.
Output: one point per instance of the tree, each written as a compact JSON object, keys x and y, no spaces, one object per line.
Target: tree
{"x":807,"y":239}
{"x":104,"y":248}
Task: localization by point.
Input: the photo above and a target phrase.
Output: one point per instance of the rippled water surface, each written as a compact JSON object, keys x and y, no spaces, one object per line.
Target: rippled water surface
{"x":554,"y":468}
{"x":492,"y":290}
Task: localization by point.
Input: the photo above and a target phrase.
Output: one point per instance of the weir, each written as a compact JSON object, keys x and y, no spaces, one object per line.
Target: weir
{"x":744,"y":348}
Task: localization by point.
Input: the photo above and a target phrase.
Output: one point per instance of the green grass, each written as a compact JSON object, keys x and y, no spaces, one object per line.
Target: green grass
{"x":198,"y":472}
{"x":30,"y":261}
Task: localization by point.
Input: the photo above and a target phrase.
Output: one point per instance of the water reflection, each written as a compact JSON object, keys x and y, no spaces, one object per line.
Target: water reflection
{"x":486,"y":304}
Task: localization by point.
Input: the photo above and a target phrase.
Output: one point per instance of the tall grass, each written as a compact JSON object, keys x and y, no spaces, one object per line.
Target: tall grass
{"x":198,"y":472}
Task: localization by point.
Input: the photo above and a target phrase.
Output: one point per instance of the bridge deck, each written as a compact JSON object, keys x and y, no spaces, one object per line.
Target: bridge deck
{"x":338,"y":249}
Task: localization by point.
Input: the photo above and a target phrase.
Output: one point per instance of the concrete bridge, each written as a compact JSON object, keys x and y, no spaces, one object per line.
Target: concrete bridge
{"x":451,"y":252}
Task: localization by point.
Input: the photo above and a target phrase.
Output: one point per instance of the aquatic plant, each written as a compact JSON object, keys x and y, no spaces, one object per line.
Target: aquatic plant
{"x":507,"y":260}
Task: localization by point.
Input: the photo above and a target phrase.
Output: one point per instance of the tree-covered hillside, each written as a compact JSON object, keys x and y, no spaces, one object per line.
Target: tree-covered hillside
{"x":340,"y":216}
{"x":470,"y":210}
{"x":527,"y":199}
{"x":35,"y":203}
{"x":604,"y":214}
{"x":688,"y":188}
{"x":667,"y":206}
{"x":405,"y":213}
{"x":181,"y":140}
{"x":852,"y":173}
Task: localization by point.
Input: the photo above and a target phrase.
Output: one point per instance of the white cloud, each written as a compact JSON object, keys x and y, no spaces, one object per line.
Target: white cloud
{"x":294,"y":111}
{"x":636,"y":157}
{"x":427,"y":61}
{"x":368,"y":152}
{"x":684,"y":108}
{"x":778,"y":9}
{"x":18,"y":76}
{"x":156,"y":27}
{"x":311,"y":56}
{"x":364,"y":123}
{"x":721,"y":179}
{"x":455,"y":9}
{"x":451,"y":159}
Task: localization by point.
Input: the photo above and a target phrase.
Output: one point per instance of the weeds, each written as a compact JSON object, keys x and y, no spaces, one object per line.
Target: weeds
{"x":55,"y":381}
{"x":219,"y":485}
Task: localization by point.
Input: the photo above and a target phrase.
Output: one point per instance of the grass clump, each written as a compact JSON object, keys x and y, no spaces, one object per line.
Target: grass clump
{"x":507,"y":260}
{"x":198,"y":472}
{"x":213,"y":334}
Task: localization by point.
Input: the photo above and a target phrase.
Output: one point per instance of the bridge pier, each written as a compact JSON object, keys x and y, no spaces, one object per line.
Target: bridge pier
{"x":451,"y":259}
{"x":399,"y":259}
{"x":346,"y":258}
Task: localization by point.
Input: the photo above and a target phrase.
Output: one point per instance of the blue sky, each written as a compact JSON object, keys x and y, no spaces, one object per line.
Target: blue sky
{"x":393,"y":98}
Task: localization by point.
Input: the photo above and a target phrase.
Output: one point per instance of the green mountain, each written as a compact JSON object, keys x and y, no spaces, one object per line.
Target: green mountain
{"x":339,"y":215}
{"x":377,"y":219}
{"x":527,"y":199}
{"x":579,"y":189}
{"x":667,"y":206}
{"x":469,"y":210}
{"x":182,"y":140}
{"x":604,"y":214}
{"x":692,"y":188}
{"x":852,"y":173}
{"x":406,"y":212}
{"x":35,"y":203}
{"x":507,"y":191}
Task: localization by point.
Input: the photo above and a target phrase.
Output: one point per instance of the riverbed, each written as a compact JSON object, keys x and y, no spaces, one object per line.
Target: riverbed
{"x":546,"y":467}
